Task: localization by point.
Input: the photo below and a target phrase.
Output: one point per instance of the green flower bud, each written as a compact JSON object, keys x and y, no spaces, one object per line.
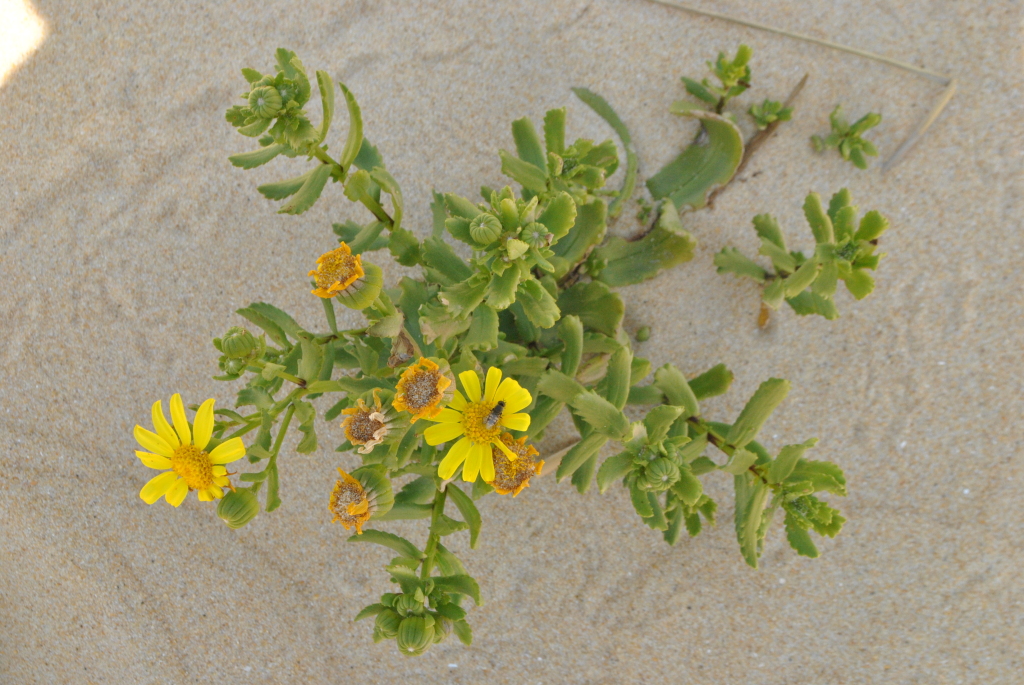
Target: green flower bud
{"x":265,"y":102}
{"x":485,"y":229}
{"x":415,"y":634}
{"x":660,"y":474}
{"x":442,"y":629}
{"x":537,"y":235}
{"x":238,"y":343}
{"x":388,"y":623}
{"x":407,"y":604}
{"x":643,"y":334}
{"x":515,"y":248}
{"x":238,"y":507}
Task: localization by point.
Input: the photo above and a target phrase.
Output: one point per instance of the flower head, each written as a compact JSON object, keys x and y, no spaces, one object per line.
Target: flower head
{"x":424,"y":389}
{"x":181,"y":449}
{"x":359,"y":496}
{"x":368,"y":425}
{"x":336,"y":271}
{"x":479,"y":420}
{"x":512,"y":475}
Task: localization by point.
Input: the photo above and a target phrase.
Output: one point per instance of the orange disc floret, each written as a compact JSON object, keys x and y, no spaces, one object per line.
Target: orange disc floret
{"x":349,"y":503}
{"x":365,"y":425}
{"x":511,"y":476}
{"x":336,"y":270}
{"x":423,"y":390}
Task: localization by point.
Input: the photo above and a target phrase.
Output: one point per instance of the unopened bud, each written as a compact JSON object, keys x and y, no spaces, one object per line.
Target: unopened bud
{"x":238,"y":507}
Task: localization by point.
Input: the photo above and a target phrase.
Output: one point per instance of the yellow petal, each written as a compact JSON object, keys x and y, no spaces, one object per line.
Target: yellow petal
{"x":458,"y":402}
{"x":491,"y":387}
{"x":487,"y":466}
{"x":471,"y":384}
{"x":222,"y":481}
{"x":448,"y":416}
{"x":472,"y":466}
{"x":176,"y":495}
{"x":204,"y":496}
{"x":512,"y":456}
{"x":157,"y":486}
{"x":180,"y":420}
{"x":203,"y":426}
{"x":228,"y":451}
{"x":153,"y":442}
{"x":517,"y":422}
{"x":443,"y":432}
{"x":517,"y":400}
{"x":163,"y":429}
{"x":456,"y":455}
{"x":215,"y":492}
{"x":219,"y":470}
{"x":153,"y":461}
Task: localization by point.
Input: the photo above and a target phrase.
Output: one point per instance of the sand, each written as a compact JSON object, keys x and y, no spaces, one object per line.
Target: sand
{"x":128,"y":240}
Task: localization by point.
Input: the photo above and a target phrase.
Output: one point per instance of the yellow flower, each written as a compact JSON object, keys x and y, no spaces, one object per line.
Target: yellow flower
{"x":180,"y":449}
{"x":423,"y":390}
{"x":367,"y":425}
{"x":511,"y":476}
{"x":336,"y":271}
{"x":479,"y":420}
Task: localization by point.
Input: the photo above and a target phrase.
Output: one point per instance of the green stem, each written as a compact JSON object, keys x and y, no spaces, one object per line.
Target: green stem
{"x":329,"y":313}
{"x":322,"y":155}
{"x":434,"y":539}
{"x":272,"y":464}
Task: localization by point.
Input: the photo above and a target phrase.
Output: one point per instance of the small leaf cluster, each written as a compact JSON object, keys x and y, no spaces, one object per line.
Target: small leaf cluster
{"x":768,"y":112}
{"x":845,"y":251}
{"x":846,"y":137}
{"x":733,"y":79}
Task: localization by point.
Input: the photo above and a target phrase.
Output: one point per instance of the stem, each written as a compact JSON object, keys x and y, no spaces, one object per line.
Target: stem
{"x":322,"y":155}
{"x":726,"y":448}
{"x":272,"y":464}
{"x":329,"y":313}
{"x":434,"y":539}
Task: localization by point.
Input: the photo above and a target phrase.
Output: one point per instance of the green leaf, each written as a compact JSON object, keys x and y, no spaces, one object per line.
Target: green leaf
{"x":646,"y":394}
{"x":283,"y":189}
{"x":251,"y":160}
{"x":665,"y":246}
{"x":739,"y":461}
{"x":527,"y":366}
{"x":802,"y":277}
{"x":570,"y":331}
{"x":528,"y":144}
{"x":823,"y":475}
{"x":368,"y":238}
{"x":371,"y":610}
{"x":872,"y":226}
{"x":354,"y":141}
{"x":821,"y":224}
{"x":542,"y":414}
{"x":605,"y":111}
{"x":697,"y":90}
{"x":448,"y":564}
{"x":326,"y":86}
{"x":407,"y":511}
{"x":438,"y":255}
{"x":760,"y":406}
{"x":524,"y":173}
{"x":613,"y":469}
{"x":462,"y":298}
{"x":464,"y":632}
{"x":808,"y":303}
{"x":640,"y":501}
{"x":559,"y":386}
{"x":273,"y":490}
{"x":445,"y":525}
{"x":844,"y":222}
{"x":659,"y":420}
{"x":554,"y":130}
{"x":483,"y":331}
{"x":839,"y":200}
{"x":583,"y":450}
{"x":715,"y":381}
{"x":688,"y":488}
{"x":309,"y":193}
{"x":584,"y":475}
{"x":369,"y":157}
{"x":601,"y":414}
{"x":597,"y":307}
{"x":799,"y":539}
{"x":255,"y":128}
{"x":538,"y":304}
{"x":784,"y":464}
{"x":672,"y":382}
{"x":616,"y":382}
{"x":589,"y":230}
{"x":859,"y":283}
{"x":825,"y":284}
{"x":733,"y":261}
{"x":458,"y":584}
{"x":390,"y":540}
{"x":468,"y":511}
{"x":312,"y":360}
{"x":560,"y":215}
{"x":501,"y":292}
{"x":751,"y":495}
{"x":305,"y":414}
{"x":782,"y":260}
{"x":404,"y":246}
{"x":690,"y":178}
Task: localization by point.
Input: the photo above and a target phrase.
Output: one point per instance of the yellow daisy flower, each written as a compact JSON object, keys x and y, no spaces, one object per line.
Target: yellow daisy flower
{"x":423,"y":390}
{"x":357,"y":497}
{"x":181,"y":449}
{"x":511,"y":476}
{"x":336,"y":270}
{"x":479,"y":419}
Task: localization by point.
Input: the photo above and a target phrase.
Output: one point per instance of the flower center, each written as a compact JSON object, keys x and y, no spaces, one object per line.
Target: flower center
{"x":338,"y":267}
{"x":421,"y":390}
{"x":193,"y":464}
{"x":348,"y":503}
{"x":362,"y":427}
{"x":473,"y":417}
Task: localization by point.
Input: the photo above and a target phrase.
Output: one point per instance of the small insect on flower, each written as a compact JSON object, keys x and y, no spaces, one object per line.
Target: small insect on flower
{"x":495,"y":415}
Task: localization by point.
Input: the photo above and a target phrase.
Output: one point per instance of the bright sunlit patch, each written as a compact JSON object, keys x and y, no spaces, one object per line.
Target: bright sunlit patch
{"x":21,"y":32}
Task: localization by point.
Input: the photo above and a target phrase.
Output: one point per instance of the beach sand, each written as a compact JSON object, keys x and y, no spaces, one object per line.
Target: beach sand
{"x":127,"y":241}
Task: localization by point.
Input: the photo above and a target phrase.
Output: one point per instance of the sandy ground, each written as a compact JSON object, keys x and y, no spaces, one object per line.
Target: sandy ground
{"x":128,"y":240}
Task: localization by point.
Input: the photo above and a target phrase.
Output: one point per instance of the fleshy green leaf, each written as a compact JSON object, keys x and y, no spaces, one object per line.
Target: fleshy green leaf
{"x":528,"y":144}
{"x":583,"y":450}
{"x":251,"y":160}
{"x":665,"y":246}
{"x":283,"y":189}
{"x":799,"y":539}
{"x":483,"y":331}
{"x":859,"y":283}
{"x":872,"y":226}
{"x":601,"y":414}
{"x":554,"y":130}
{"x":462,"y":298}
{"x":613,"y":469}
{"x":524,"y":173}
{"x":559,"y":386}
{"x":659,"y":420}
{"x":690,"y":177}
{"x":605,"y":111}
{"x":560,"y":215}
{"x":715,"y":381}
{"x":751,"y":495}
{"x":821,"y":224}
{"x":760,"y":406}
{"x":309,"y":192}
{"x":732,"y":260}
{"x":739,"y":461}
{"x":588,"y":231}
{"x":597,"y":307}
{"x":459,"y":584}
{"x":784,"y":464}
{"x":672,"y":382}
{"x":354,"y":141}
{"x":570,"y":331}
{"x":538,"y":304}
{"x":399,"y":544}
{"x":468,"y":511}
{"x":616,"y":382}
